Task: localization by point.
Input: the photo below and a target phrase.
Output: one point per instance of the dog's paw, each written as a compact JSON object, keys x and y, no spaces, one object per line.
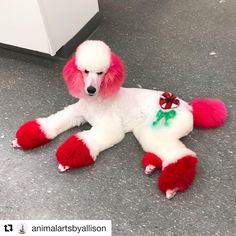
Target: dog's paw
{"x":178,"y":176}
{"x":73,"y":153}
{"x":30,"y":135}
{"x":15,"y":143}
{"x":149,"y":169}
{"x":170,"y":193}
{"x":62,"y":168}
{"x":151,"y":162}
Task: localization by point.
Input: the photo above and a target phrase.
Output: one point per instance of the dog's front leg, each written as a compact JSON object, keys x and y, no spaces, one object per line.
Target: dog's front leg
{"x":82,"y":148}
{"x":37,"y":132}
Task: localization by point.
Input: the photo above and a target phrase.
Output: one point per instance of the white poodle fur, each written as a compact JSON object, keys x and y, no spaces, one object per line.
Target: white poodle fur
{"x":130,"y":110}
{"x":94,"y":56}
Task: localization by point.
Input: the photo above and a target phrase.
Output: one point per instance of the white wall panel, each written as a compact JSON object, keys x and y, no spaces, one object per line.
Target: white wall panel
{"x":43,"y":25}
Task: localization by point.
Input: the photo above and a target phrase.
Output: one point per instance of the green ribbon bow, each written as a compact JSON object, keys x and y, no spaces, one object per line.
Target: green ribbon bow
{"x":166,"y":115}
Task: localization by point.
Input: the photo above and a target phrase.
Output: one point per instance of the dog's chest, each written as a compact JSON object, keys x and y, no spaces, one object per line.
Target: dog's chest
{"x":130,"y":106}
{"x":93,"y":110}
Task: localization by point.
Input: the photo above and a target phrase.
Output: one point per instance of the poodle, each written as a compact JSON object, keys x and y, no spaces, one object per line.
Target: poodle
{"x":157,"y":119}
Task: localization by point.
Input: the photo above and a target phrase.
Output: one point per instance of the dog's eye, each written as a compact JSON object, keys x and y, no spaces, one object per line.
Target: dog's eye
{"x":86,"y":71}
{"x":99,"y":73}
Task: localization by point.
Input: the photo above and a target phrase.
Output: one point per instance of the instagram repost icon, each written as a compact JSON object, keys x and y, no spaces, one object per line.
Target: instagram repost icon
{"x":8,"y":228}
{"x":21,"y":228}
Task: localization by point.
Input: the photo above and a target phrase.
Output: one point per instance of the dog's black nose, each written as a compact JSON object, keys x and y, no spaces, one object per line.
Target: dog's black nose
{"x":91,"y":90}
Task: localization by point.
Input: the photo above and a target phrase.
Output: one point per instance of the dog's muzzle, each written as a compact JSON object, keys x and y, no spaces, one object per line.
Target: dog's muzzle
{"x":91,"y":90}
{"x":92,"y":84}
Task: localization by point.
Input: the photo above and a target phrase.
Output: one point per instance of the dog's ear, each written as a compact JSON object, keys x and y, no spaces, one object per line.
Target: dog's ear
{"x":73,"y":78}
{"x":113,"y":78}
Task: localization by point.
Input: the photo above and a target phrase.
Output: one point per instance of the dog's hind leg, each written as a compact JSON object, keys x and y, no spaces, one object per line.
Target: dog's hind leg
{"x":178,"y":174}
{"x":177,"y":162}
{"x":82,"y":148}
{"x":42,"y":130}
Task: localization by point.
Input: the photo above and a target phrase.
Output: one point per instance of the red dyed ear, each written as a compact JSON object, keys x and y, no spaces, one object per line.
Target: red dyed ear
{"x":73,"y":78}
{"x":114,"y":77}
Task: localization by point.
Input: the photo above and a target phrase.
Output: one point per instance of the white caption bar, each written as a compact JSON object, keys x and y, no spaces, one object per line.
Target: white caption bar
{"x":56,"y":227}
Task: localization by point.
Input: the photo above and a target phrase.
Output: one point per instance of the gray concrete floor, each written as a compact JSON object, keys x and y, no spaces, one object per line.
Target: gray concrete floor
{"x":166,"y":45}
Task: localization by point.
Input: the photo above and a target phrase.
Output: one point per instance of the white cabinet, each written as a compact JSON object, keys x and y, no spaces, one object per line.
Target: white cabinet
{"x":43,"y":25}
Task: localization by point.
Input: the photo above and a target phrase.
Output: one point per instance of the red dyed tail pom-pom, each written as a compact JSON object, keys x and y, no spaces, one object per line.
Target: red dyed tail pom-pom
{"x":208,"y":112}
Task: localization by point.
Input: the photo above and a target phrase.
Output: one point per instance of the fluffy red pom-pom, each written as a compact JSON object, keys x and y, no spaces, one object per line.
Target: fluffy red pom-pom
{"x":74,"y":153}
{"x":151,"y":159}
{"x":30,"y":135}
{"x":208,"y":113}
{"x":179,"y":175}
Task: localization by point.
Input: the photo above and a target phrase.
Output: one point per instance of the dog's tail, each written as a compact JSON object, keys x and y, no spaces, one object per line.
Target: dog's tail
{"x":208,"y":112}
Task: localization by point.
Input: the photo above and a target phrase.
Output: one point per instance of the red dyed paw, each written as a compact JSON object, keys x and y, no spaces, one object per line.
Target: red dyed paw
{"x":151,"y":162}
{"x":30,"y":135}
{"x":178,"y":176}
{"x":73,"y":153}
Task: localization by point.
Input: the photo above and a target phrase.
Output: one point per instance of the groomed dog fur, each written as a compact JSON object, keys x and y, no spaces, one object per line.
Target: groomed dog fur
{"x":158,"y":119}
